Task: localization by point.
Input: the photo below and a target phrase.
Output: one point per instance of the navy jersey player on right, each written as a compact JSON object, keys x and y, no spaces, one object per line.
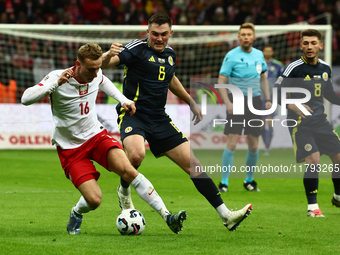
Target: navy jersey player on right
{"x":149,"y":73}
{"x":313,"y":134}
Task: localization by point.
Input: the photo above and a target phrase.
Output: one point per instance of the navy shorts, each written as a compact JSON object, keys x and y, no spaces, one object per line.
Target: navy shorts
{"x":236,"y":123}
{"x":307,"y":140}
{"x":161,"y":134}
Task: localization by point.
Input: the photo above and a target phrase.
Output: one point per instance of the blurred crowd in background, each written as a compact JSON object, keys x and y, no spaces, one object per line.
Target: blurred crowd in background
{"x":27,"y":66}
{"x":184,"y":12}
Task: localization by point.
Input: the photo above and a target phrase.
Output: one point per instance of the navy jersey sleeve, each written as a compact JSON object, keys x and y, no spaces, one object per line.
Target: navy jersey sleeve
{"x":330,"y":94}
{"x":130,"y":51}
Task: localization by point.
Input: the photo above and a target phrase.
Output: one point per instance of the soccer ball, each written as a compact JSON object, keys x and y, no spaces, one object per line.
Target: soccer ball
{"x":130,"y":222}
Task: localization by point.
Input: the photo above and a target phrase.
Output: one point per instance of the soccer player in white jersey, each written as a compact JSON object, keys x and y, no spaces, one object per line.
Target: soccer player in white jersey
{"x":80,"y":137}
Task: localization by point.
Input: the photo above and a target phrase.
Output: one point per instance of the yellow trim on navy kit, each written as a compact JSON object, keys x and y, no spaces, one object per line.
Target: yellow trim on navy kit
{"x":293,"y":135}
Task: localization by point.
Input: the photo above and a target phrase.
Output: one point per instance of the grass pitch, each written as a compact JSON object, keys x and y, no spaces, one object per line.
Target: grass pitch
{"x":36,"y":198}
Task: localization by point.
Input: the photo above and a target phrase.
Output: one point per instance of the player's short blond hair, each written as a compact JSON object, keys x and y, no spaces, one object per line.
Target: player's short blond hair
{"x":247,"y":25}
{"x":91,"y":51}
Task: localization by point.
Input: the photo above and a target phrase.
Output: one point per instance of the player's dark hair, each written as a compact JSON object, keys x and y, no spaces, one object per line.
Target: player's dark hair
{"x":267,"y":45}
{"x":311,"y":32}
{"x":160,"y":19}
{"x":90,"y":50}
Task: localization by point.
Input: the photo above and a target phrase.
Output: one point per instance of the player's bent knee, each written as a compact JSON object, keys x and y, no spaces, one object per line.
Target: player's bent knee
{"x":136,"y":159}
{"x":94,"y":201}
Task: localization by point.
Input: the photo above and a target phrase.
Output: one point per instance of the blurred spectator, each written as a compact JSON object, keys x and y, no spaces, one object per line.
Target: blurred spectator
{"x":8,"y":86}
{"x":92,"y":11}
{"x":4,"y":18}
{"x":73,"y":10}
{"x":120,"y":17}
{"x":305,"y":13}
{"x":182,"y":19}
{"x":65,"y":18}
{"x":5,"y":58}
{"x":232,"y":10}
{"x":62,"y":61}
{"x":8,"y":7}
{"x":26,"y":9}
{"x":262,"y":17}
{"x":138,"y":15}
{"x":23,"y":64}
{"x":256,"y":8}
{"x":43,"y":64}
{"x":243,"y":15}
{"x":175,"y":14}
{"x":219,"y":17}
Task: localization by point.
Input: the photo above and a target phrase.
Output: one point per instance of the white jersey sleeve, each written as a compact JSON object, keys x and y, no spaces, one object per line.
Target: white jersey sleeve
{"x":37,"y":92}
{"x":73,"y":108}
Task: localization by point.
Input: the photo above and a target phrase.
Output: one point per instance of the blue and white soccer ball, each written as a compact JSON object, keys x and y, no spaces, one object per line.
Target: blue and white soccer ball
{"x":130,"y":222}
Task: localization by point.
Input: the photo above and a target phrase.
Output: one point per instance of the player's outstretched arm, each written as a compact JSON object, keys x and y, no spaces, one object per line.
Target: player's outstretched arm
{"x":176,"y":87}
{"x":39,"y":91}
{"x":110,"y":57}
{"x":111,"y":90}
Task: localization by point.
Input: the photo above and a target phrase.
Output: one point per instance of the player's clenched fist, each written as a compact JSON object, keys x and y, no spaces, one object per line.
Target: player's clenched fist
{"x":65,"y":76}
{"x":115,"y":49}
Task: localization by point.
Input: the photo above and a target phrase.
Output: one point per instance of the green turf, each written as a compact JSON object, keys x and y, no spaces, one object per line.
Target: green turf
{"x":35,"y":200}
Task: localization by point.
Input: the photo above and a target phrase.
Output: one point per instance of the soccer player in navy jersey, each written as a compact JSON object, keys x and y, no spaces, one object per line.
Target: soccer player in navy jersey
{"x":274,"y":70}
{"x":312,"y":135}
{"x":149,"y":73}
{"x":244,"y":67}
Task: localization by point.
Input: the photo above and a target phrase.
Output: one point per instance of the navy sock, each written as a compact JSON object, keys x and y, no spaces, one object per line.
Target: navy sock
{"x":336,"y":181}
{"x":208,"y":189}
{"x":124,"y":183}
{"x":311,"y":183}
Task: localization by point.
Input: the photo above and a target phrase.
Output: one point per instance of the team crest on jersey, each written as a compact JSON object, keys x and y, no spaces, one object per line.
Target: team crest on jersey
{"x":259,"y":68}
{"x":161,"y":60}
{"x":325,"y":76}
{"x":83,"y":90}
{"x":308,"y":147}
{"x":128,"y":129}
{"x":46,"y":78}
{"x":272,"y":68}
{"x":171,"y":61}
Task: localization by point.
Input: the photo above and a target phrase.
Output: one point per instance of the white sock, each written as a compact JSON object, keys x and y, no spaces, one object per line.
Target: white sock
{"x":223,"y":212}
{"x":147,"y":192}
{"x":82,"y":206}
{"x":312,"y":207}
{"x":336,"y":197}
{"x":124,"y":191}
{"x":164,"y":212}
